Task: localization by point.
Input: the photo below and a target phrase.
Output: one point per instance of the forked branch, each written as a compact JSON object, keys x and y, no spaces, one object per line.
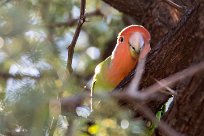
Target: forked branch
{"x":82,"y":19}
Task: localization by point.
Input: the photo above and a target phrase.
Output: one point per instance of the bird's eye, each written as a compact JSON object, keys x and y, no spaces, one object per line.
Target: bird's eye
{"x":121,"y":39}
{"x":133,"y":48}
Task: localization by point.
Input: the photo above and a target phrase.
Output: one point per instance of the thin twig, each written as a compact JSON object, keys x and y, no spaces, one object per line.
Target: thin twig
{"x":176,"y":6}
{"x":134,"y":85}
{"x":17,"y":76}
{"x":171,"y":91}
{"x":69,"y":104}
{"x":72,"y":22}
{"x":71,"y":47}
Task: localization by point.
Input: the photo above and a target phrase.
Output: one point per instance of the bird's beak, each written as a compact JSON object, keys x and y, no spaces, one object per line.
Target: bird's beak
{"x":136,"y":43}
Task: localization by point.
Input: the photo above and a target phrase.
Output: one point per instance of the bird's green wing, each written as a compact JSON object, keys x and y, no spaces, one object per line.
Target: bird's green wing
{"x":99,"y":82}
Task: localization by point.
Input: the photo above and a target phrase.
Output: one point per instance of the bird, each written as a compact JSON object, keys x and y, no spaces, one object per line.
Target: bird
{"x":133,"y":44}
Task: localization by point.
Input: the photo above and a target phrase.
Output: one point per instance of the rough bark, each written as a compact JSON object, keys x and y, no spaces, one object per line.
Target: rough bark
{"x":177,"y":43}
{"x":186,"y":113}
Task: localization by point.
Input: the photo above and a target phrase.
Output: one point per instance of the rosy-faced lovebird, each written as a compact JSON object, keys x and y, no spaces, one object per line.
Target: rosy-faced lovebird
{"x":132,"y":45}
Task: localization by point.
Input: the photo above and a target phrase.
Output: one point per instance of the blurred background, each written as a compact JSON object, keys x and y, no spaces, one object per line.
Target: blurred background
{"x":34,"y":36}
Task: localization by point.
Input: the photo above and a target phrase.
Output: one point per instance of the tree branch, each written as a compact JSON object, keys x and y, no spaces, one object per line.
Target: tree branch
{"x":17,"y":76}
{"x":71,"y":47}
{"x":69,"y":104}
{"x":72,"y":22}
{"x":45,"y":74}
{"x":176,"y":6}
{"x":134,"y":85}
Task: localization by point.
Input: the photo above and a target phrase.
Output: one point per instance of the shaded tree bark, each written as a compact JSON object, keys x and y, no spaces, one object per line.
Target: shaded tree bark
{"x":178,"y":42}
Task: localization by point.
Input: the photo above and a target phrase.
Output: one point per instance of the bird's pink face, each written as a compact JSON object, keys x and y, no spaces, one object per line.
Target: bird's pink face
{"x":137,"y":38}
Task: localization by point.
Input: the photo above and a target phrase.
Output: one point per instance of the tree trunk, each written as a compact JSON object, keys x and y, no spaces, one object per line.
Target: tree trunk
{"x":178,"y":42}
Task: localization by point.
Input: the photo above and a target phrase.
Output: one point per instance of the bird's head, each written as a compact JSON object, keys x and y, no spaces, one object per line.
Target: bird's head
{"x":137,"y":38}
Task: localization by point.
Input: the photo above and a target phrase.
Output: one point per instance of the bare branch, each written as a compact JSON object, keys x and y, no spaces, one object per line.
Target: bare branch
{"x":171,"y":91}
{"x":44,"y":74}
{"x":17,"y":76}
{"x":71,"y":47}
{"x":72,"y":22}
{"x":133,"y":87}
{"x":176,"y":6}
{"x":70,"y":103}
